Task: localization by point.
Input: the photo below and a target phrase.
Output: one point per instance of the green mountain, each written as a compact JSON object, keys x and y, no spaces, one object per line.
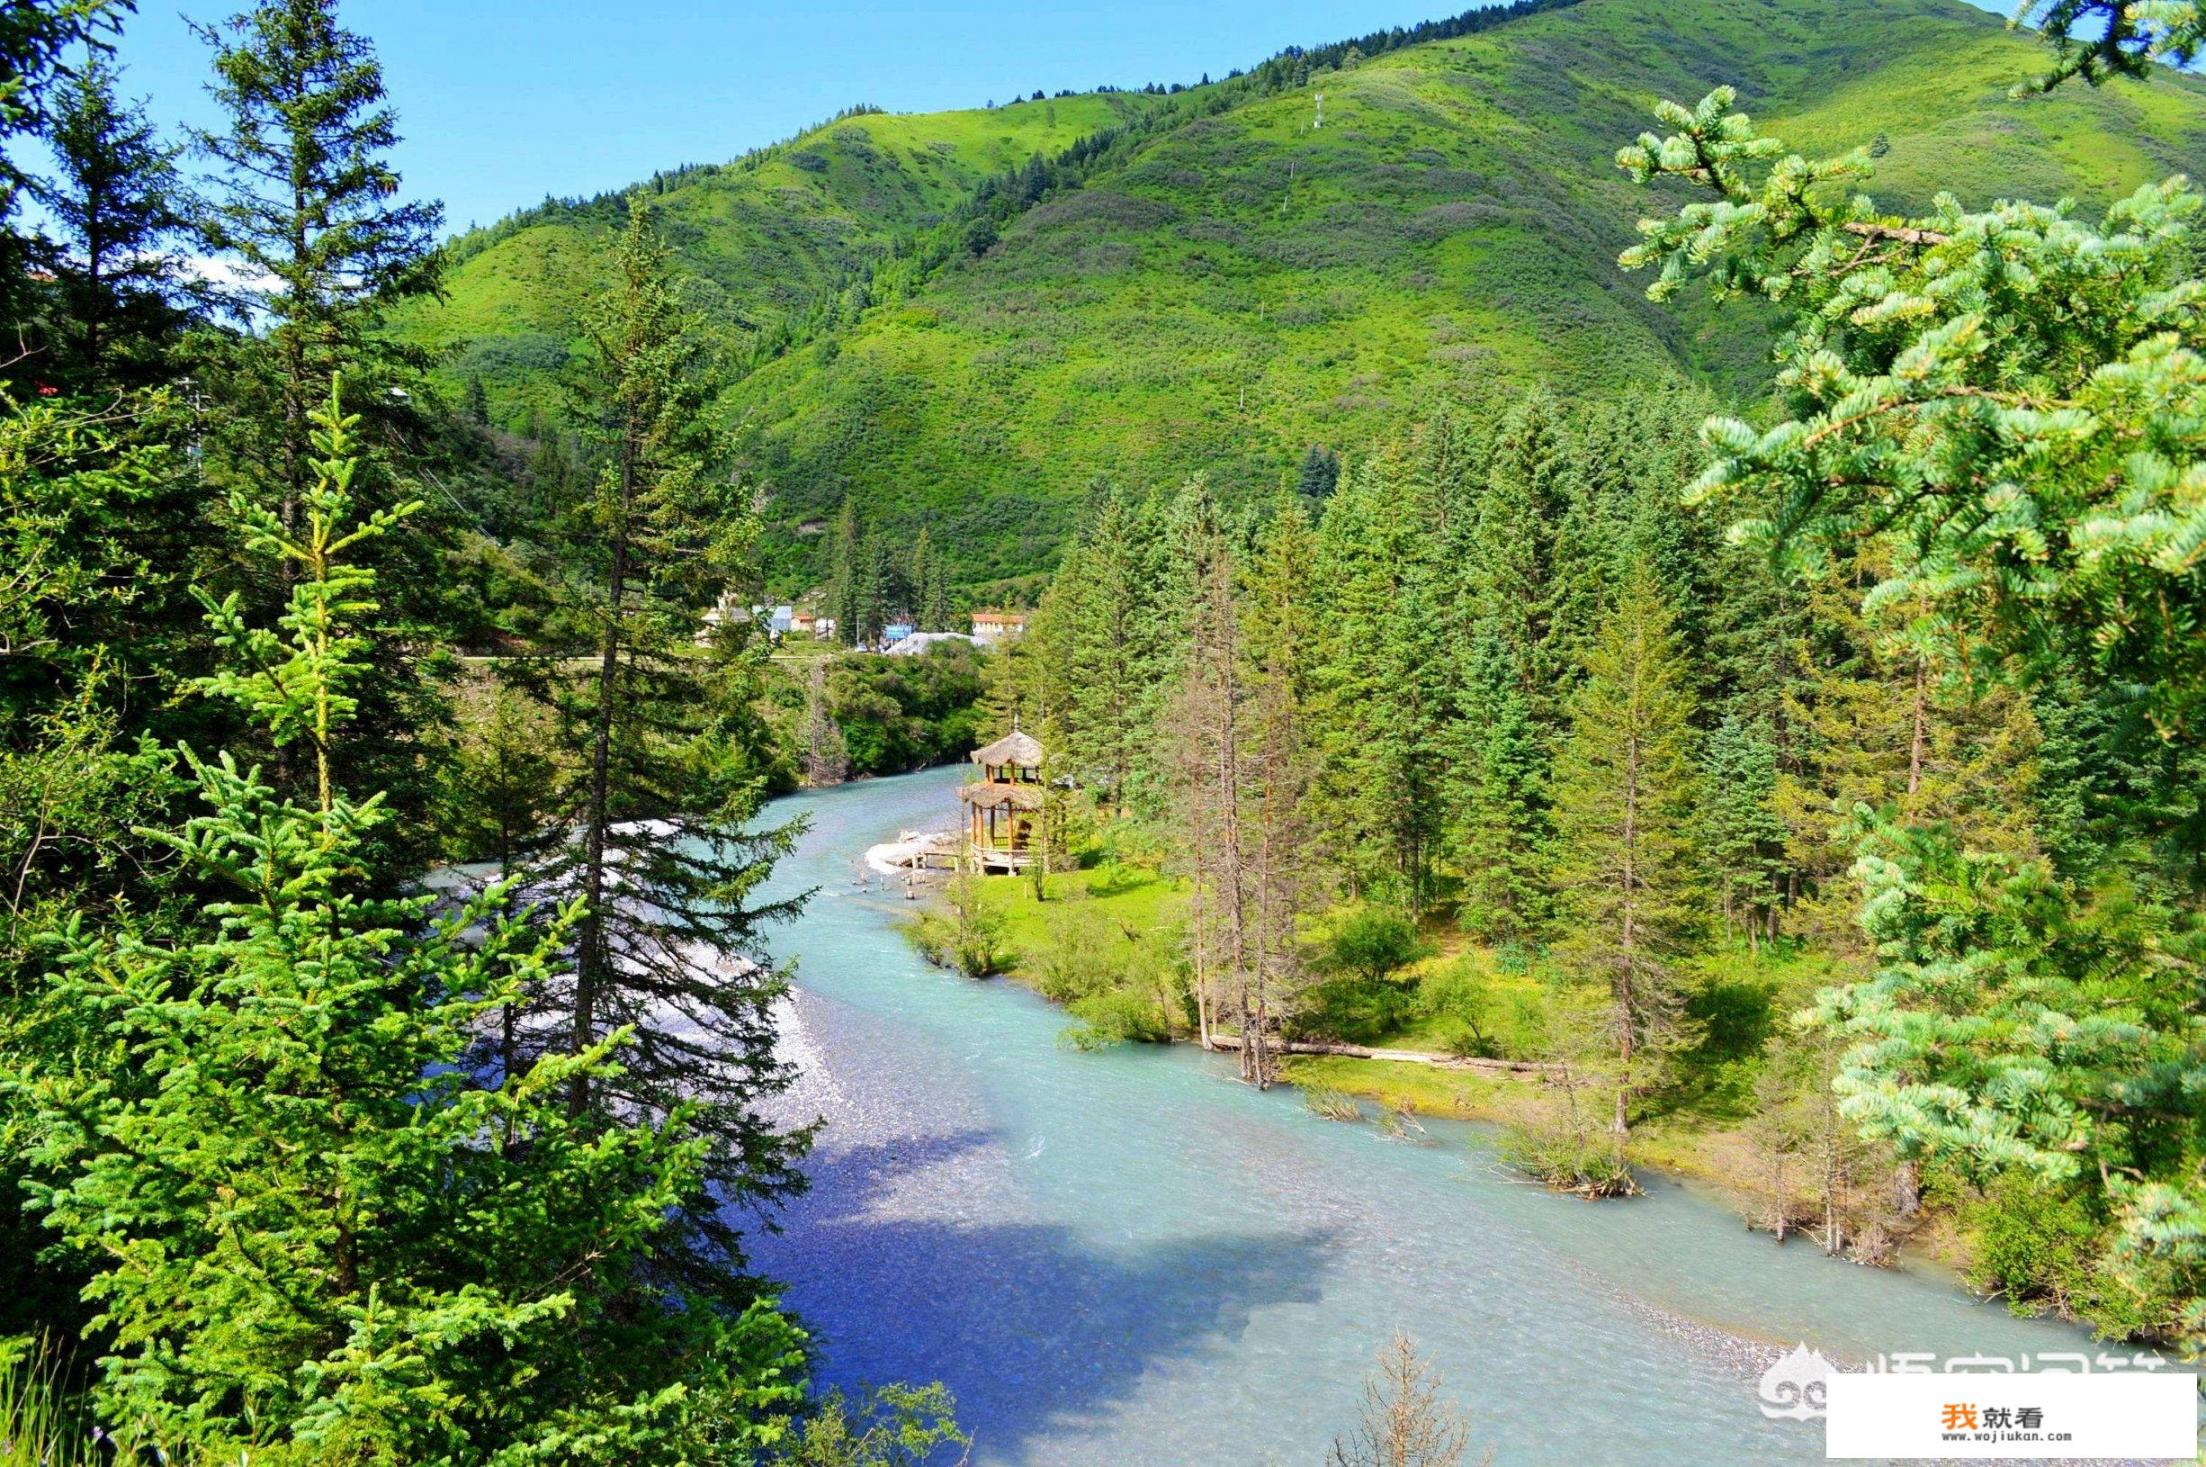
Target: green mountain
{"x":1233,"y":272}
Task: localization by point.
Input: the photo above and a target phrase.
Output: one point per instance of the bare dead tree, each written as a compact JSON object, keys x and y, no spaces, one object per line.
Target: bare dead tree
{"x":1405,"y":1422}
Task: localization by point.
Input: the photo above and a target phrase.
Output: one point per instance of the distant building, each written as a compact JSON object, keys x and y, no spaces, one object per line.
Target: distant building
{"x":918,"y":643}
{"x":823,"y":626}
{"x":804,"y":621}
{"x":727,"y":611}
{"x":995,"y":626}
{"x":779,"y":619}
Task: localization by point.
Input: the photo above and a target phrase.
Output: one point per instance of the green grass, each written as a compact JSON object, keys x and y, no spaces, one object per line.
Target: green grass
{"x":1124,"y":909}
{"x":1420,"y":1089}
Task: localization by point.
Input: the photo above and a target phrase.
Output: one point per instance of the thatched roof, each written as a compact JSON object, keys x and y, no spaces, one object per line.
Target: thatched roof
{"x":1016,"y":796}
{"x":1015,"y":747}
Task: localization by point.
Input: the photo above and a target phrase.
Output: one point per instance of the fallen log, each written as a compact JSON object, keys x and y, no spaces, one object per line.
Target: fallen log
{"x":1472,"y":1064}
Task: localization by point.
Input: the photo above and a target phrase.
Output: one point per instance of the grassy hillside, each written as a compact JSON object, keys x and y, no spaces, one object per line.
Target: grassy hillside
{"x":764,"y":236}
{"x":1243,"y":284}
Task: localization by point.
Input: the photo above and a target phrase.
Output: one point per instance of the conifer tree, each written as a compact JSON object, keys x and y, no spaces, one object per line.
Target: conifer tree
{"x":35,"y":41}
{"x":306,"y":204}
{"x":118,"y":202}
{"x":1319,"y":476}
{"x":1382,"y":687}
{"x":1278,"y":635}
{"x":2008,"y":429}
{"x":876,"y":589}
{"x":1514,"y":566}
{"x":669,"y":770}
{"x":1210,"y":782}
{"x":826,"y":756}
{"x":1742,"y":836}
{"x":1118,"y":649}
{"x":1500,"y":798}
{"x":1624,"y":793}
{"x":313,"y":1230}
{"x":845,"y":575}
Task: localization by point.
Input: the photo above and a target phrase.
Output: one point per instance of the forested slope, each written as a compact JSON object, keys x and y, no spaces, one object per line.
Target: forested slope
{"x":1263,"y":271}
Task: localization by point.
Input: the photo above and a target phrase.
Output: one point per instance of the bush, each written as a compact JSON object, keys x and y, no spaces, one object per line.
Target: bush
{"x":1460,"y":1039}
{"x":1119,"y":1016}
{"x":897,"y":1426}
{"x":1373,"y":943}
{"x":1072,"y":962}
{"x":1580,"y":1163}
{"x":2043,"y":1248}
{"x":1356,"y":1009}
{"x":964,"y":935}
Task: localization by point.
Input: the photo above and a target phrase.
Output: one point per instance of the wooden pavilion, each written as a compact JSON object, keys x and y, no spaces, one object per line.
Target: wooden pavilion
{"x":1004,"y":806}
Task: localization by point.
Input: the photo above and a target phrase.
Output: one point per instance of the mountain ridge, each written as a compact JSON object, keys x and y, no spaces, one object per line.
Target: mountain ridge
{"x":1244,"y":279}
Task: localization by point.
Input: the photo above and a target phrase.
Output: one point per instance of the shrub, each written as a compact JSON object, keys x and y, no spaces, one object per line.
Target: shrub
{"x":1580,"y":1163}
{"x":1117,"y":1016}
{"x":964,"y":934}
{"x":1373,"y":943}
{"x":1461,"y":1039}
{"x":1357,"y":1009}
{"x":1334,"y":1105}
{"x":897,"y":1426}
{"x":2045,"y":1250}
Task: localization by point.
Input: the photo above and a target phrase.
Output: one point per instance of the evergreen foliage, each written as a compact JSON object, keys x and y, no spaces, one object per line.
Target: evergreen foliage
{"x":1625,"y":792}
{"x":1997,"y":405}
{"x":317,"y":1234}
{"x":120,"y":209}
{"x":655,"y":831}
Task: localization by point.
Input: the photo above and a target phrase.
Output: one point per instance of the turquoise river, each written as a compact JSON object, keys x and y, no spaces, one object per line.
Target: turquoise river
{"x":1128,"y":1258}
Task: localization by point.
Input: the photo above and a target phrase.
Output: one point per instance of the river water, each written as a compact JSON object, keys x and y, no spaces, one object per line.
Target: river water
{"x":1128,"y":1258}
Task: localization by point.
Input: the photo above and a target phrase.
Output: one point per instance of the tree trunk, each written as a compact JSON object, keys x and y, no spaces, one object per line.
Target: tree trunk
{"x":1921,"y":721}
{"x":1627,"y":971}
{"x":591,"y":958}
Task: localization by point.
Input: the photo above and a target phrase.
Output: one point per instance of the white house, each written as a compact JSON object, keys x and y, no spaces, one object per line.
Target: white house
{"x":995,"y":626}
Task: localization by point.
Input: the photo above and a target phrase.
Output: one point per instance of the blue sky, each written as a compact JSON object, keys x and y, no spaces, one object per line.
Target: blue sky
{"x":503,"y":101}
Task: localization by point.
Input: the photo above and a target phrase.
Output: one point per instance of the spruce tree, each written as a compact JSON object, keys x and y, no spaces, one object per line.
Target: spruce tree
{"x":1500,"y":799}
{"x":1207,"y":773}
{"x":668,"y":770}
{"x":1512,"y":563}
{"x":1624,"y":801}
{"x":1119,"y":648}
{"x":1278,"y":639}
{"x":313,"y":1229}
{"x":118,"y":202}
{"x":1742,"y":837}
{"x":845,"y":575}
{"x":1319,"y":476}
{"x":1382,"y":688}
{"x":35,"y":41}
{"x":305,"y":203}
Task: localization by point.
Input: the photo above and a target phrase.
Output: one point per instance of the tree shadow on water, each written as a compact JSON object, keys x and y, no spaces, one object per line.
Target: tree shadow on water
{"x":1034,"y":1328}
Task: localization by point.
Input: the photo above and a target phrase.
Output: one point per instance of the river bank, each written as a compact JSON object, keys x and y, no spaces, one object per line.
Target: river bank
{"x":1126,"y":1255}
{"x":1099,"y":924}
